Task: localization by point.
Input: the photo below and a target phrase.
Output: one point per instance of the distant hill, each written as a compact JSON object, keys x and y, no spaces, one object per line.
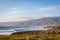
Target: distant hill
{"x":46,"y":21}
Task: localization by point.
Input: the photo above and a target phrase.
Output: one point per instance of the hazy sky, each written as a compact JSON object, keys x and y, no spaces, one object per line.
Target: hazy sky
{"x":10,"y":9}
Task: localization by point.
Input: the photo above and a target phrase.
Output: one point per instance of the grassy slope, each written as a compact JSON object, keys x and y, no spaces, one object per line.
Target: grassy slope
{"x":54,"y":35}
{"x":31,"y":37}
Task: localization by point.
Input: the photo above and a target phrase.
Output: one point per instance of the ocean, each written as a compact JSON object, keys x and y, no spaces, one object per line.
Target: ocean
{"x":9,"y":30}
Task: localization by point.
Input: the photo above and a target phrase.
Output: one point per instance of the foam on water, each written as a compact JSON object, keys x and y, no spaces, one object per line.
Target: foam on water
{"x":8,"y":31}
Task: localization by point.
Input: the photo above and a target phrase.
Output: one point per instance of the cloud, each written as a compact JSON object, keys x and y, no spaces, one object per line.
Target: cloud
{"x":13,"y":8}
{"x":18,"y":11}
{"x":14,"y":18}
{"x":51,"y":10}
{"x":11,"y":14}
{"x":43,"y":9}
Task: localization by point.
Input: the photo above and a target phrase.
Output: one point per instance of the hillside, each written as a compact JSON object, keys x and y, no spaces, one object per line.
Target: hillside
{"x":53,"y":30}
{"x":46,"y":21}
{"x":51,"y":34}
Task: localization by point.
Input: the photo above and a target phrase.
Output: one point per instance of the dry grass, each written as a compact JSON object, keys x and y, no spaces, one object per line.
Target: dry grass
{"x":31,"y":37}
{"x":43,"y":36}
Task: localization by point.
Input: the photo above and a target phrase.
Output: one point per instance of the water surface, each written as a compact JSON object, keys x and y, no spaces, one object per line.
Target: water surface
{"x":9,"y":30}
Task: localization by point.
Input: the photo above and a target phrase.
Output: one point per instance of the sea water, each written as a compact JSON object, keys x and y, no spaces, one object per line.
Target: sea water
{"x":9,"y":30}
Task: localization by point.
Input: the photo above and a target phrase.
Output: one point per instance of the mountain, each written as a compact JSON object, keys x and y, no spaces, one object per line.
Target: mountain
{"x":45,"y":21}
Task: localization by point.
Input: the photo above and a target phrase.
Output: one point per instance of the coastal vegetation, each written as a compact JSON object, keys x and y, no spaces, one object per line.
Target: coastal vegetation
{"x":51,"y":34}
{"x":31,"y":37}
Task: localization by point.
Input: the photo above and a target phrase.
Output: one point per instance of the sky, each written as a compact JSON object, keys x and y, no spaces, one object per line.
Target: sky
{"x":11,"y":10}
